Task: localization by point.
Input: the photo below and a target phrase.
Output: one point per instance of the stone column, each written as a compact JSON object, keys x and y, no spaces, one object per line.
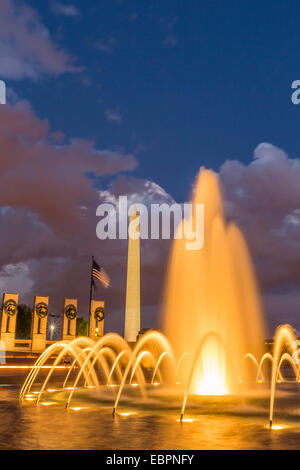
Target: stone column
{"x":133,"y":308}
{"x":39,"y":323}
{"x":96,"y":327}
{"x":69,"y":319}
{"x":9,"y":319}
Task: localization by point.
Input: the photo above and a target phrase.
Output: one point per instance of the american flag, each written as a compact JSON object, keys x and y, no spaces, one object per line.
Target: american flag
{"x":99,"y":274}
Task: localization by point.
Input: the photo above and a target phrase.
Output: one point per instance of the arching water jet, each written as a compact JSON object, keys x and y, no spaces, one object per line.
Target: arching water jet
{"x":284,"y":336}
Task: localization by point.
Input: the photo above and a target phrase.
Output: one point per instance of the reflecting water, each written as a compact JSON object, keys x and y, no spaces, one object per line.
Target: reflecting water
{"x":92,"y":427}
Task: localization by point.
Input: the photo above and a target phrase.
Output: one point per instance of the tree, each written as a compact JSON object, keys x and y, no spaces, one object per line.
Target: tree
{"x":82,"y":327}
{"x":23,"y":324}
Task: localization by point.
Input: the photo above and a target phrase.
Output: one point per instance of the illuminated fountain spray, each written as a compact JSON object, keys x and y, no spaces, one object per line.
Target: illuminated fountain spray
{"x":213,"y":328}
{"x":212,"y":309}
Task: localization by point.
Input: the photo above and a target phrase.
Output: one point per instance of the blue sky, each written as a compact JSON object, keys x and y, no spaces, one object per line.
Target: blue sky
{"x":144,"y":93}
{"x":189,"y":83}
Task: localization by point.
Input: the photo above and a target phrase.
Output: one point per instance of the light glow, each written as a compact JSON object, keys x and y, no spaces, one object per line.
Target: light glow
{"x":278,"y":427}
{"x":30,"y":367}
{"x":185,"y":420}
{"x":212,"y":309}
{"x":211,"y":371}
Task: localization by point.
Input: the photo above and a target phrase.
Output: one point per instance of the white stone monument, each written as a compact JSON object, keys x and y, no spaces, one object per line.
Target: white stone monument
{"x":133,"y":308}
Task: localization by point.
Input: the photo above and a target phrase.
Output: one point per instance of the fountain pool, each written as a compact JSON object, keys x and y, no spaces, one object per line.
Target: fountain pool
{"x":210,"y":361}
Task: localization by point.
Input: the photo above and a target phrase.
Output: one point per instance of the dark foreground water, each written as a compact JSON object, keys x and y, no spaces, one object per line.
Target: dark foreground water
{"x":215,"y":425}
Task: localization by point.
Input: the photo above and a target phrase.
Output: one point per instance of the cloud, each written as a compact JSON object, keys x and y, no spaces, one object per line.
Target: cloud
{"x":169,"y":25}
{"x":58,"y":264}
{"x":65,"y":9}
{"x":49,"y":189}
{"x":15,"y":277}
{"x":264,"y":199}
{"x":26,"y":48}
{"x":133,"y":16}
{"x":113,"y":116}
{"x":106,"y":46}
{"x":43,"y":172}
{"x":171,"y":40}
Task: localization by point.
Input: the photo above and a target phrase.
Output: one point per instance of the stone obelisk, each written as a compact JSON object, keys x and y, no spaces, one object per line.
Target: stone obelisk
{"x":133,"y":307}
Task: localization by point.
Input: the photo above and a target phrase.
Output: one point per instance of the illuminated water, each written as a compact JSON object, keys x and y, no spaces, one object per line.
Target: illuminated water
{"x":205,"y":383}
{"x":212,"y":308}
{"x":50,"y":427}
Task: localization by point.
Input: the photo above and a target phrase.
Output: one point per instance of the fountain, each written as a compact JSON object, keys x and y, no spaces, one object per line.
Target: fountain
{"x":213,"y":332}
{"x":212,"y":309}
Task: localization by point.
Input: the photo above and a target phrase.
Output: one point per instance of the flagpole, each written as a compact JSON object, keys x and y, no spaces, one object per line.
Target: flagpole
{"x":91,"y":289}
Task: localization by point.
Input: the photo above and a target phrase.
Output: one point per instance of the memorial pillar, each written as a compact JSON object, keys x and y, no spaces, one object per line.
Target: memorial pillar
{"x":69,"y":319}
{"x":9,"y":319}
{"x":39,"y":323}
{"x":96,"y":327}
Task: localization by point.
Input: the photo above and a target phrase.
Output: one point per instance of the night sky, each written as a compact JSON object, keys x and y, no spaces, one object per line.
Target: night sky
{"x":133,"y":97}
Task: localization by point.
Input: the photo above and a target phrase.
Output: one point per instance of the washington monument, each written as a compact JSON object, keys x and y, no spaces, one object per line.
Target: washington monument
{"x":133,"y":307}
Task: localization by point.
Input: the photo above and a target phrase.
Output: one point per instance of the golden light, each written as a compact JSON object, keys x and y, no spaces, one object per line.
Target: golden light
{"x":30,"y":367}
{"x":278,"y":427}
{"x":185,"y":420}
{"x":216,"y":288}
{"x":210,"y":374}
